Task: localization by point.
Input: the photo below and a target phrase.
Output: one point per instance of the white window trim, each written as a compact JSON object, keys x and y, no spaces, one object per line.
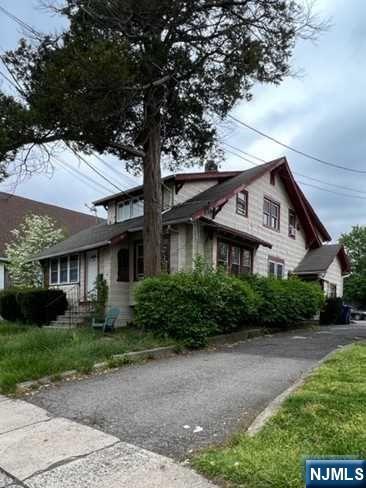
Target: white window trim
{"x":129,"y":204}
{"x":68,"y":282}
{"x":276,"y":264}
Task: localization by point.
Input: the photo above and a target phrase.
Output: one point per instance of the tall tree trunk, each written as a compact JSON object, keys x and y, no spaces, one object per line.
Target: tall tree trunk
{"x":152,"y":192}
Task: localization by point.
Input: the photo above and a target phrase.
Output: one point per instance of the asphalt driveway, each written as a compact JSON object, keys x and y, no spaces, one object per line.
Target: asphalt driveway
{"x":177,"y":405}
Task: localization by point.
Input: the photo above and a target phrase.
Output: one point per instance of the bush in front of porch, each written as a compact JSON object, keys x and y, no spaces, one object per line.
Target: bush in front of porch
{"x":32,"y":305}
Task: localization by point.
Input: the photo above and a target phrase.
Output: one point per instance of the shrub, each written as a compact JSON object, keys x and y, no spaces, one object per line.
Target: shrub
{"x":332,"y":311}
{"x":9,"y":307}
{"x":33,"y":306}
{"x":101,"y":299}
{"x":192,"y":306}
{"x":286,"y":302}
{"x":41,"y":306}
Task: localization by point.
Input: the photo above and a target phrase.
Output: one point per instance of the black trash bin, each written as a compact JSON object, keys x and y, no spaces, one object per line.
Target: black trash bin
{"x":346,"y":314}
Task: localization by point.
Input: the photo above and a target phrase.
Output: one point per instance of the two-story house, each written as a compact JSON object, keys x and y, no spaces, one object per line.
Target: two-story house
{"x":252,"y":221}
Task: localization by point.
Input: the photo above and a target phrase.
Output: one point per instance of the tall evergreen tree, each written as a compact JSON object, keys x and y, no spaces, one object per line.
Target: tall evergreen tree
{"x":146,"y":80}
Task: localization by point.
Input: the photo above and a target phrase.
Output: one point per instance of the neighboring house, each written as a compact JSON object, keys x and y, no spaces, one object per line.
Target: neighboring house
{"x":13,"y":210}
{"x":253,"y":221}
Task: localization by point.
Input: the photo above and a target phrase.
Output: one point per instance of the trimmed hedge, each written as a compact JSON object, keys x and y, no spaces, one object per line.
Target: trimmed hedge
{"x":9,"y":306}
{"x":285,"y":302}
{"x":32,"y":306}
{"x":193,"y":306}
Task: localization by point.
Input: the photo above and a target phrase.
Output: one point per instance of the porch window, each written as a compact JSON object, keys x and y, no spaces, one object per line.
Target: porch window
{"x":139,"y":261}
{"x":64,"y":262}
{"x":64,"y":270}
{"x":271,"y":214}
{"x":223,"y":255}
{"x":242,"y":203}
{"x":74,"y":268}
{"x":233,"y":258}
{"x":123,"y":265}
{"x":54,"y":271}
{"x":246,"y":261}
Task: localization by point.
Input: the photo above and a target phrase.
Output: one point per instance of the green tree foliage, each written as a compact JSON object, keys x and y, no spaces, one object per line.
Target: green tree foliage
{"x":355,"y":244}
{"x":355,"y":289}
{"x":355,"y":285}
{"x":145,"y":79}
{"x":36,"y":233}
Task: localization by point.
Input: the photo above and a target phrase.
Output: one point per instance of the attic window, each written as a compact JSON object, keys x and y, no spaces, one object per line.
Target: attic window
{"x":292,"y":224}
{"x":273,"y":178}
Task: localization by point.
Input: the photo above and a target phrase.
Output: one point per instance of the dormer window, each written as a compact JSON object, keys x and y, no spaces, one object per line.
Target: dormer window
{"x":130,"y":209}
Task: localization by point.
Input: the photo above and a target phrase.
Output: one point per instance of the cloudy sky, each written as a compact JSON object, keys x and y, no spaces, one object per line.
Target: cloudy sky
{"x":321,"y":113}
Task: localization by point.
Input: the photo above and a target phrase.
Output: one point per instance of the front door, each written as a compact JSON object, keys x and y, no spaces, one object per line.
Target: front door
{"x":91,"y":272}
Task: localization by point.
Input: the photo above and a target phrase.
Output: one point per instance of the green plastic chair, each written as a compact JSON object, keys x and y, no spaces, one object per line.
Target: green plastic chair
{"x":109,"y":322}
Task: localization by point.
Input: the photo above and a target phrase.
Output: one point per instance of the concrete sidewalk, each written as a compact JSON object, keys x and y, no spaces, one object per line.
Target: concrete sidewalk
{"x":41,"y":451}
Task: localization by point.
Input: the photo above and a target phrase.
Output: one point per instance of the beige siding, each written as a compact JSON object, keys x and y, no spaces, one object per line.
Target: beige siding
{"x":192,"y":188}
{"x":284,"y":247}
{"x":334,"y":277}
{"x":112,"y":212}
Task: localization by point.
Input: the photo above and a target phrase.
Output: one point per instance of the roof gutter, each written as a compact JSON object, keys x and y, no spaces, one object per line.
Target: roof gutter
{"x":72,"y":251}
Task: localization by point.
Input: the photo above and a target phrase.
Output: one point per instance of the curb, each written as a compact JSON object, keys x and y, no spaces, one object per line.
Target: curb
{"x":129,"y":357}
{"x":274,"y":406}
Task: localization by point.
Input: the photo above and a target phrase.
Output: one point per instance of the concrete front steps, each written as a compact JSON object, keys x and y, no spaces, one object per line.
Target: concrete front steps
{"x":70,"y":320}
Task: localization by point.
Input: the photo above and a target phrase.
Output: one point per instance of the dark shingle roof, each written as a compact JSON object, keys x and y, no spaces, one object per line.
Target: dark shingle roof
{"x":101,"y":235}
{"x":96,"y":236}
{"x":318,"y":260}
{"x":178,"y":178}
{"x":13,"y":209}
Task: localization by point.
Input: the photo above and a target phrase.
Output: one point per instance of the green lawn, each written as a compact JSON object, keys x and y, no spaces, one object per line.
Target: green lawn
{"x":325,"y":417}
{"x":29,"y":353}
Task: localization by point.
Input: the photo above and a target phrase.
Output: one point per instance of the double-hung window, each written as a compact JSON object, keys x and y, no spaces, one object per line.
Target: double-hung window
{"x":124,"y":211}
{"x":292,"y":223}
{"x":223,"y":255}
{"x":64,"y":270}
{"x":130,"y":209}
{"x":139,"y":261}
{"x":276,"y":268}
{"x":233,"y":258}
{"x":242,"y":203}
{"x":271,"y":214}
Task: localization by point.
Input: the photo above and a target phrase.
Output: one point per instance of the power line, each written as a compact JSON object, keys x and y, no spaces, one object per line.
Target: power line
{"x":82,"y":175}
{"x":341,"y":187}
{"x":113,"y":169}
{"x":303,"y":183}
{"x":96,"y":171}
{"x":293,"y":149}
